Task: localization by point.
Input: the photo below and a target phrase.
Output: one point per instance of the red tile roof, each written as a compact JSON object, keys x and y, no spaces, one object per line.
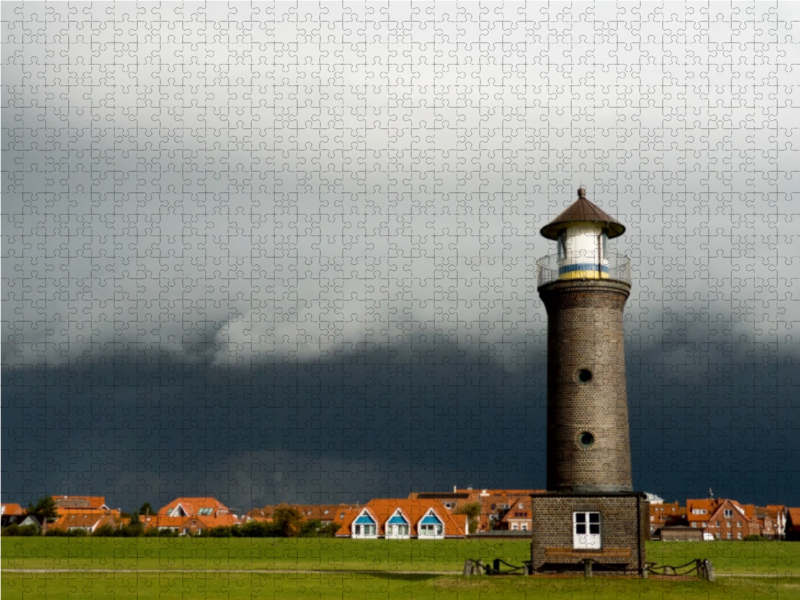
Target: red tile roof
{"x":773,"y":510}
{"x":14,"y":510}
{"x":192,"y":507}
{"x":263,"y":514}
{"x":515,"y":513}
{"x":414,"y":510}
{"x":708,"y":507}
{"x":85,"y":521}
{"x":80,"y":504}
{"x":794,"y":517}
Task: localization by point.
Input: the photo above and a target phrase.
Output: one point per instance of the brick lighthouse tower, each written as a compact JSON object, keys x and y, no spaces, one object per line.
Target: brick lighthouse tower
{"x":590,"y":514}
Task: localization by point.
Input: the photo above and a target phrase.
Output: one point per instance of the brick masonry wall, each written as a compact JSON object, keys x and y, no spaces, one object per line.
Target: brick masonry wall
{"x":620,"y":530}
{"x":585,"y":331}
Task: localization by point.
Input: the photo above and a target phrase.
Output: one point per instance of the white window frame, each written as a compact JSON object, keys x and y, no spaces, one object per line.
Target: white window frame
{"x":587,"y":530}
{"x":364,"y":531}
{"x":429,"y":530}
{"x":398,"y":531}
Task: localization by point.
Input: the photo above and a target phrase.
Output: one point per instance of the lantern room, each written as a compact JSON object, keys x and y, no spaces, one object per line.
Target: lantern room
{"x":582,"y":233}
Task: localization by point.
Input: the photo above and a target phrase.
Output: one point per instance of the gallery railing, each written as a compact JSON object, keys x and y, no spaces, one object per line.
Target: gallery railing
{"x":611,"y":266}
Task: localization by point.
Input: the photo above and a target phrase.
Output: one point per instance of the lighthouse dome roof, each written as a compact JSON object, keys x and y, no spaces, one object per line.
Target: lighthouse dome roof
{"x":583,"y":211}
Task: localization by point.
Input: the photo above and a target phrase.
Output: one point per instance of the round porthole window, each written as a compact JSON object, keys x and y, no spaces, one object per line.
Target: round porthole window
{"x":586,"y":439}
{"x":584,"y":375}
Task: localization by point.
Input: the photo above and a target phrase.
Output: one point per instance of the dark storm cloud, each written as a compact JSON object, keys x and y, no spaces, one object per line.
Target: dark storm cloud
{"x":381,"y":425}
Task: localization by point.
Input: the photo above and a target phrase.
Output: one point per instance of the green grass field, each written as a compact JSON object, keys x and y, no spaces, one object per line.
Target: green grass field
{"x":221,"y":568}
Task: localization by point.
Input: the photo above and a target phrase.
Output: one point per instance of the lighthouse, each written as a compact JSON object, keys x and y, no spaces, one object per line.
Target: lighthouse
{"x":590,"y":514}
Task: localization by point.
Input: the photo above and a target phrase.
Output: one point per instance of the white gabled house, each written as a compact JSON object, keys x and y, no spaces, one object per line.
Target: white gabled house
{"x":403,"y":519}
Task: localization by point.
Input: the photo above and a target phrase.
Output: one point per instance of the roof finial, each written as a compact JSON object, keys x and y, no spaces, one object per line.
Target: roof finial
{"x":582,"y":192}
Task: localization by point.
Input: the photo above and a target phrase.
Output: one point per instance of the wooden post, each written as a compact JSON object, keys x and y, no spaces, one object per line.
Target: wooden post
{"x":468,"y":566}
{"x":587,"y":567}
{"x":709,"y":570}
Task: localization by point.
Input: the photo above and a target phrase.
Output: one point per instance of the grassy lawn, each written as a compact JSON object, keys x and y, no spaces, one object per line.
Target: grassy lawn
{"x":741,"y":558}
{"x":198,"y":558}
{"x":380,"y":585}
{"x":253,"y":553}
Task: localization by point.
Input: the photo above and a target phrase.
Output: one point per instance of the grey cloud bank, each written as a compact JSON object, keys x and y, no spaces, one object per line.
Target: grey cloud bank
{"x":284,"y":183}
{"x":236,"y":187}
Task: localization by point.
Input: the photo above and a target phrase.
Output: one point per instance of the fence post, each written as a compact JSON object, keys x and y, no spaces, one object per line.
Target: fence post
{"x":467,"y":567}
{"x":709,"y":570}
{"x":587,"y":567}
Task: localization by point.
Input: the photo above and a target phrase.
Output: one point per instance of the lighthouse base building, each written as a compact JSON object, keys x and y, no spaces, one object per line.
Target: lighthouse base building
{"x":590,"y":519}
{"x":609,"y":530}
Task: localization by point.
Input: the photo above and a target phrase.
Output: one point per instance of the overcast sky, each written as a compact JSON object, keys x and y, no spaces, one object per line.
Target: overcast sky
{"x":345,"y":200}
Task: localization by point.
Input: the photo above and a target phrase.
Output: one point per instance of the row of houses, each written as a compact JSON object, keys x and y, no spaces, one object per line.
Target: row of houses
{"x":184,"y":516}
{"x":722,"y":519}
{"x":425,"y":515}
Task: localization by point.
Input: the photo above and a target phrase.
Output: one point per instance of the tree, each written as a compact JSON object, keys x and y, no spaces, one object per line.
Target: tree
{"x":473,"y":512}
{"x":289,"y":520}
{"x":146,"y":509}
{"x":44,"y":510}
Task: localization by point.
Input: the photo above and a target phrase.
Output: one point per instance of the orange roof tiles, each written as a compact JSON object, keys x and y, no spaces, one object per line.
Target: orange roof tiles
{"x":191,"y":507}
{"x":84,"y":521}
{"x":794,"y":517}
{"x":11,"y":510}
{"x":414,"y":510}
{"x":694,"y":508}
{"x":80,"y":504}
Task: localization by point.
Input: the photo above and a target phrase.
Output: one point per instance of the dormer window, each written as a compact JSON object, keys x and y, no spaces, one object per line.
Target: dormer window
{"x":397,"y":526}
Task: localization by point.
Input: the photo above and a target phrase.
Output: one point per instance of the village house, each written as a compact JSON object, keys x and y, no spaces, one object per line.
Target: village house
{"x":324,"y":513}
{"x":722,"y":519}
{"x":403,"y":519}
{"x":83,"y":505}
{"x":190,"y":516}
{"x":500,"y":509}
{"x":11,"y":514}
{"x":666,"y":515}
{"x":88,"y":522}
{"x":778,"y":515}
{"x":264,"y":514}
